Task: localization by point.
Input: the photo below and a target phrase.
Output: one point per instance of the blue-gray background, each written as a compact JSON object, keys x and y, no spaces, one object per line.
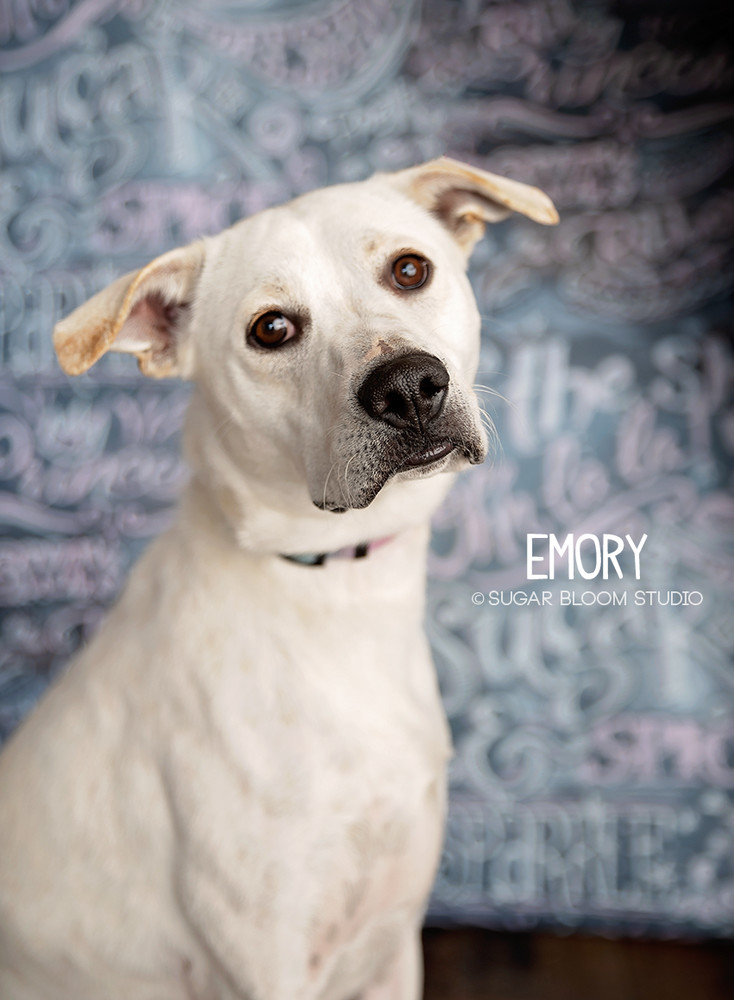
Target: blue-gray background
{"x":594,"y":772}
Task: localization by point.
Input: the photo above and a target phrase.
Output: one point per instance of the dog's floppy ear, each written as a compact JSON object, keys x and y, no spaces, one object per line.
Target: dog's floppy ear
{"x":141,"y":313}
{"x":464,"y":198}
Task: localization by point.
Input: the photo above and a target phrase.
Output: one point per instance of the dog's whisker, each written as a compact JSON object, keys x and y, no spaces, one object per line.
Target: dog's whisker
{"x":479,"y":387}
{"x":326,"y":481}
{"x":488,"y":424}
{"x":224,"y":424}
{"x":346,"y":479}
{"x":483,"y":405}
{"x":497,"y":395}
{"x":219,"y":429}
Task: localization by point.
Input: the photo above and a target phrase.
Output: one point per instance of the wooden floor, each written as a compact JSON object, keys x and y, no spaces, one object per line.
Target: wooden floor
{"x":469,"y":964}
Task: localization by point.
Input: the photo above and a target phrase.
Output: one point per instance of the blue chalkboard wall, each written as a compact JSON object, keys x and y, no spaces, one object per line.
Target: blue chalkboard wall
{"x":594,"y":772}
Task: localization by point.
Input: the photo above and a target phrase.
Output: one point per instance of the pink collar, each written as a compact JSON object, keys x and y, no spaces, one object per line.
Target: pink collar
{"x":348,"y":552}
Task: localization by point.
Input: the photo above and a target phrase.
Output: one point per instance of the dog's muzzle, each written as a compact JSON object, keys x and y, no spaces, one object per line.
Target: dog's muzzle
{"x":408,"y":419}
{"x":407,"y":392}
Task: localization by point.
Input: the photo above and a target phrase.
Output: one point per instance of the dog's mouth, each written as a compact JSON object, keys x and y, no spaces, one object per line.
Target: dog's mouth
{"x":427,"y":456}
{"x":377,"y":463}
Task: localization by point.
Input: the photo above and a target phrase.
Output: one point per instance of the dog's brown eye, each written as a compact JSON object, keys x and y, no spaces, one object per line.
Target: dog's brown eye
{"x":272,"y":329}
{"x":409,"y":271}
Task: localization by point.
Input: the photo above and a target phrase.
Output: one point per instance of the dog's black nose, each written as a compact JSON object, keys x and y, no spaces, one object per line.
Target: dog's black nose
{"x":406,"y":392}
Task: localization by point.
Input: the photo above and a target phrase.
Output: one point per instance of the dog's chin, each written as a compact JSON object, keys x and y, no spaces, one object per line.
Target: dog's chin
{"x":422,"y":463}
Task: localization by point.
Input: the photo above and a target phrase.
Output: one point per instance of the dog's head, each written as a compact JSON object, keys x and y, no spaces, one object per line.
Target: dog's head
{"x":333,"y":340}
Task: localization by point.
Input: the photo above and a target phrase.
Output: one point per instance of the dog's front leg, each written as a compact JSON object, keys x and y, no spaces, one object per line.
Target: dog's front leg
{"x":404,"y":977}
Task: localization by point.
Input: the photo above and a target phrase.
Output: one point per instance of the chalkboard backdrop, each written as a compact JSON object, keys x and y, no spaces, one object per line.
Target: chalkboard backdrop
{"x":593,"y":782}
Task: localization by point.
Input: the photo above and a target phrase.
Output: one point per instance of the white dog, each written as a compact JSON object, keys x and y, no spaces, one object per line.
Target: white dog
{"x":238,"y":789}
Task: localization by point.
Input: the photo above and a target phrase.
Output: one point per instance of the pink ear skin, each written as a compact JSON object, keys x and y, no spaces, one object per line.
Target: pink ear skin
{"x":141,"y":313}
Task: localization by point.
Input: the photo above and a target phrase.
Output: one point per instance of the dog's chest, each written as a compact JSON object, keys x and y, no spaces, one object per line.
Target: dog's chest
{"x":328,"y":818}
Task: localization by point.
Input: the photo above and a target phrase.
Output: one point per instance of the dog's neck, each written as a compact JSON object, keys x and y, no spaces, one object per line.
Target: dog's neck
{"x":246,"y":523}
{"x":262,"y":523}
{"x":394,"y":572}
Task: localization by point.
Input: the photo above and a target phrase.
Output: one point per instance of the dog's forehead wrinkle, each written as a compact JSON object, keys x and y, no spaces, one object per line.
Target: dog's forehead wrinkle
{"x":275,"y":287}
{"x":372,"y":241}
